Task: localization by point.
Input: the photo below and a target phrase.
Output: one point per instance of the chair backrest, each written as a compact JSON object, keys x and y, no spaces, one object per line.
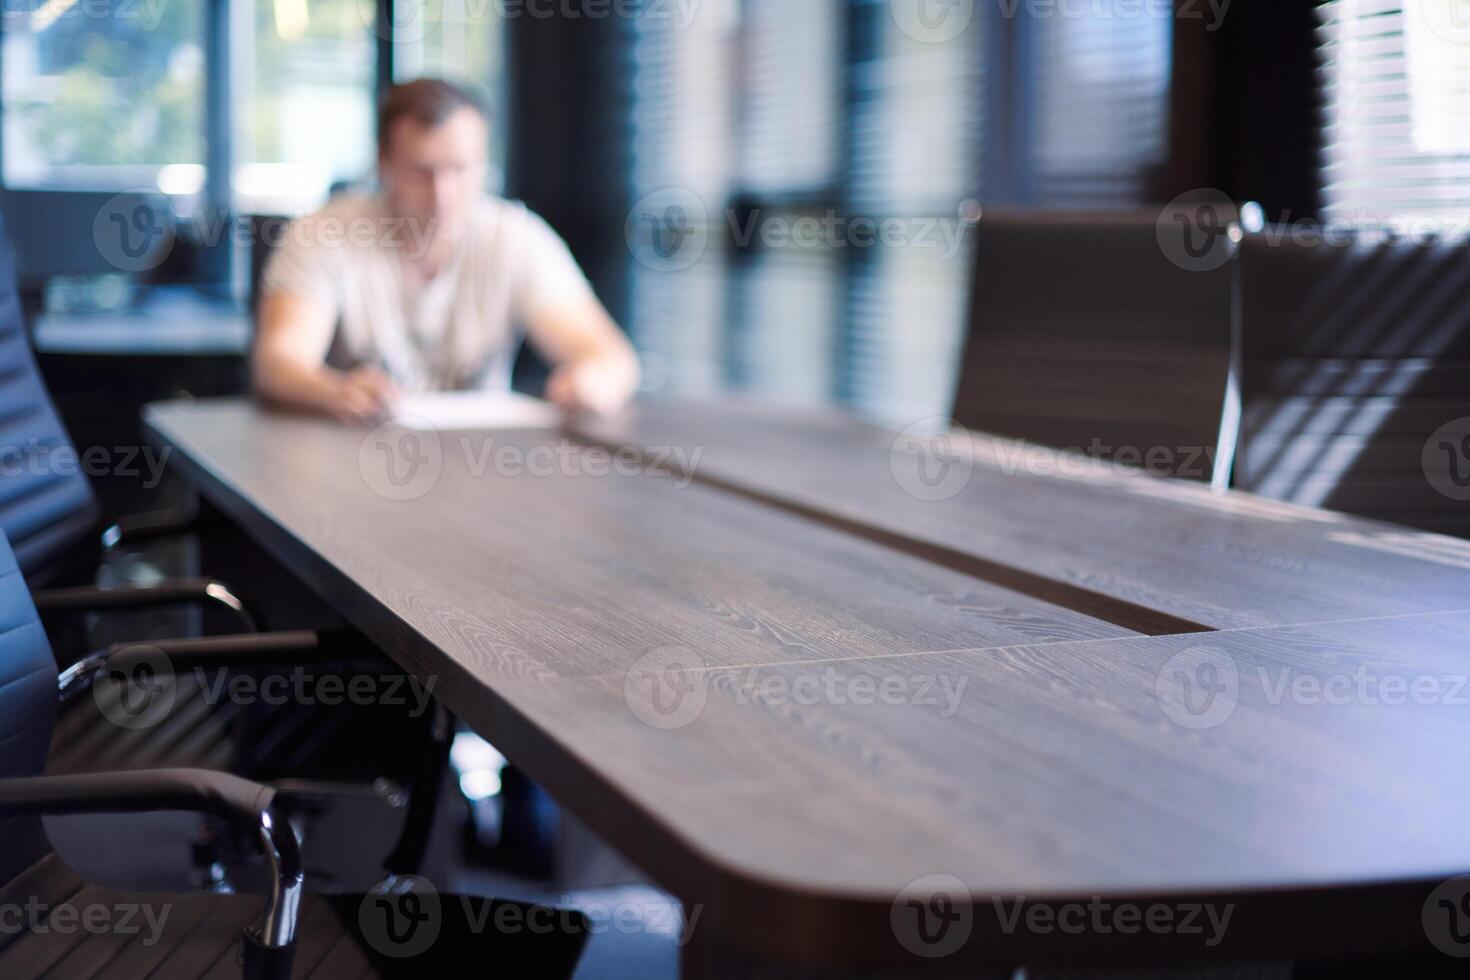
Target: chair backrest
{"x":46,"y":500}
{"x":1093,"y":331}
{"x":266,"y":230}
{"x":1355,"y":375}
{"x":66,"y":233}
{"x":27,"y":708}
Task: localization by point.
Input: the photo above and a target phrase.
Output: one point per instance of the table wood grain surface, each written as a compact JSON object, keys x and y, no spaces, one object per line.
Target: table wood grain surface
{"x":798,"y":723}
{"x":1047,"y":521}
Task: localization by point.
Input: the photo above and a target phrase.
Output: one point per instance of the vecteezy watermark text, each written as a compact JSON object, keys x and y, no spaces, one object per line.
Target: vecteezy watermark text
{"x":414,"y":20}
{"x":130,"y":234}
{"x":141,"y":692}
{"x":828,"y":686}
{"x":670,"y":687}
{"x":403,"y":459}
{"x":669,"y":229}
{"x":935,"y":916}
{"x":832,"y":229}
{"x":1212,"y":12}
{"x":41,"y":14}
{"x":941,"y":21}
{"x":1366,"y":686}
{"x":1200,"y":687}
{"x":1079,"y":461}
{"x":37,"y":916}
{"x":1200,"y":230}
{"x":406,"y":921}
{"x":303,"y":687}
{"x":36,"y":458}
{"x":934,"y":459}
{"x":1100,"y":917}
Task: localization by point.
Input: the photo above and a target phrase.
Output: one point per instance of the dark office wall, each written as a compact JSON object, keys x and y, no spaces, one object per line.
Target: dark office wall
{"x":565,"y":89}
{"x":566,"y":135}
{"x":1248,"y":107}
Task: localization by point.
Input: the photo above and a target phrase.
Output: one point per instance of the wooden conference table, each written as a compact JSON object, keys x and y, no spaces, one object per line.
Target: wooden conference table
{"x":1036,"y":713}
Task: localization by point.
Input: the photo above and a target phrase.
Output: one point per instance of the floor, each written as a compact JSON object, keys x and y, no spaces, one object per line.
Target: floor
{"x":635,"y":926}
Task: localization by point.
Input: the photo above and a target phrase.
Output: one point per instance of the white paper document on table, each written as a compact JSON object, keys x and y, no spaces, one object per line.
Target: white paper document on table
{"x":467,"y":410}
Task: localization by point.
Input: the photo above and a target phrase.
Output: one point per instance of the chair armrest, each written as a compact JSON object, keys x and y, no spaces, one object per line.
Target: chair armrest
{"x":143,"y":791}
{"x":149,"y":526}
{"x":246,"y":803}
{"x":241,"y":650}
{"x":87,"y":598}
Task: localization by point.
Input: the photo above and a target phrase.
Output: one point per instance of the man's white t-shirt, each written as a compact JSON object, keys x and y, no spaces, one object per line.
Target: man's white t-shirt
{"x":458,"y":330}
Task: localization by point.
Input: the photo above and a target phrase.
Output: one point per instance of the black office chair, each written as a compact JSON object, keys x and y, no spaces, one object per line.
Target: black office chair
{"x":327,"y":753}
{"x":292,"y":934}
{"x":48,"y":509}
{"x":1104,"y":332}
{"x":1354,"y":352}
{"x":114,"y":715}
{"x":47,"y":506}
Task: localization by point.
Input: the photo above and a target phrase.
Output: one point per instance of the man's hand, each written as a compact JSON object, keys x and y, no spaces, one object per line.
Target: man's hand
{"x":363,"y":395}
{"x":596,"y":367}
{"x":288,"y":367}
{"x":599,"y":386}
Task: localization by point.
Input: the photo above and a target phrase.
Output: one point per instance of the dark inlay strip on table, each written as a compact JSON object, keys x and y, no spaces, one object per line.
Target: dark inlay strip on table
{"x":1119,"y":612}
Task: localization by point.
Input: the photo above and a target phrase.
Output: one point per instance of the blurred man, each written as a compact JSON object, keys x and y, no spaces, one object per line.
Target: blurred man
{"x":427,"y":285}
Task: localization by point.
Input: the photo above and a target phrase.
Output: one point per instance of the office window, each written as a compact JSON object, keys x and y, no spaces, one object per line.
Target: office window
{"x":789,"y":88}
{"x":854,"y":142}
{"x":681,"y":122}
{"x":681,"y":135}
{"x":1397,"y":87}
{"x":103,"y":95}
{"x":784,"y":313}
{"x":307,"y":121}
{"x":918,"y":115}
{"x":461,"y":41}
{"x":1100,"y":106}
{"x":783,"y":327}
{"x":735,"y":129}
{"x":678,"y":325}
{"x":455,"y":39}
{"x":918,"y":121}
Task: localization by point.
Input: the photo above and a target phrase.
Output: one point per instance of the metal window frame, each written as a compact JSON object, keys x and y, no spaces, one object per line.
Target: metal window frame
{"x":223,"y":98}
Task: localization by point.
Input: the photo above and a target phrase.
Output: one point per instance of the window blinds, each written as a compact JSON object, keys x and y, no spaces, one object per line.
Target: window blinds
{"x":760,"y":113}
{"x":1396,"y":80}
{"x":1099,"y":107}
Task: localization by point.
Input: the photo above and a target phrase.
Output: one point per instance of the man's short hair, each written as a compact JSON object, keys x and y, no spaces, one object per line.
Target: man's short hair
{"x":427,"y":101}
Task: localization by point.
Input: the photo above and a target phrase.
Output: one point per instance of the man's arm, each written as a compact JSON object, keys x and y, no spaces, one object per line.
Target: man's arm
{"x":292,"y":336}
{"x":596,"y":368}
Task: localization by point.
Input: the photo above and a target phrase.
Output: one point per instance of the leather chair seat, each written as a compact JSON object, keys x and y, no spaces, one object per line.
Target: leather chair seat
{"x":191,"y":937}
{"x":193,"y":734}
